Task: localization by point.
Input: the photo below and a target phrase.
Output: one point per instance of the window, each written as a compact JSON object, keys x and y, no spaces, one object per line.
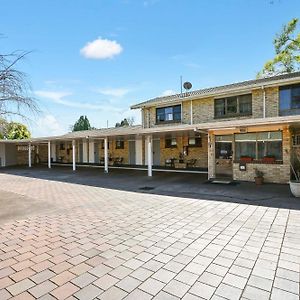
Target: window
{"x":195,"y":142}
{"x":289,"y":100}
{"x":119,"y":144}
{"x":296,"y":140}
{"x":61,"y":146}
{"x":170,"y":143}
{"x":233,"y":106}
{"x":168,"y":114}
{"x":258,"y":146}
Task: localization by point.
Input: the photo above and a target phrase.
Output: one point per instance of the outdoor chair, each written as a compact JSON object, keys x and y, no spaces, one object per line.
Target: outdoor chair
{"x":191,"y":163}
{"x":118,"y":160}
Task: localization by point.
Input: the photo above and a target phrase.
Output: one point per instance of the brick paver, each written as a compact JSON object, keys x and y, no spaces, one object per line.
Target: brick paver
{"x":96,"y":243}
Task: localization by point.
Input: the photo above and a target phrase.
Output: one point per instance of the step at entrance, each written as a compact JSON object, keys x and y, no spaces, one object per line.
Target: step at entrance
{"x":222,"y":180}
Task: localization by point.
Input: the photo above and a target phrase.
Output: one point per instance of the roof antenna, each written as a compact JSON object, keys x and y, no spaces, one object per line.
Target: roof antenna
{"x":187,"y":86}
{"x":180,"y":86}
{"x":106,"y":123}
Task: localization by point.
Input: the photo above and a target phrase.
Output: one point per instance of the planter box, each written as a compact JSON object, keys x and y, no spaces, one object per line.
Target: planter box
{"x":246,"y":159}
{"x":295,"y":188}
{"x":268,"y":160}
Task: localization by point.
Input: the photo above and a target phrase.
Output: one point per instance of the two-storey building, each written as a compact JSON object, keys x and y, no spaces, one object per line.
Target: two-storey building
{"x":227,"y":131}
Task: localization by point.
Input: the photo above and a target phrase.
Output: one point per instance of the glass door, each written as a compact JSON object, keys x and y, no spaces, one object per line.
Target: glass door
{"x":223,"y":158}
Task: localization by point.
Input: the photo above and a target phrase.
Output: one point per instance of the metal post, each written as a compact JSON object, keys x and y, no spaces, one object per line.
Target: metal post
{"x":150,"y":155}
{"x":105,"y":155}
{"x":74,"y":155}
{"x":49,"y":155}
{"x":29,"y":155}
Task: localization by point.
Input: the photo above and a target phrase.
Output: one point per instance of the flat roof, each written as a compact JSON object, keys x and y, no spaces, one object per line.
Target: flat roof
{"x":219,"y":90}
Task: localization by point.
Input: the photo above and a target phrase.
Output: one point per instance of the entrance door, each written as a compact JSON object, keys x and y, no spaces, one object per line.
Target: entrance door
{"x":156,"y":152}
{"x":224,"y":158}
{"x":96,"y":153}
{"x":131,"y":146}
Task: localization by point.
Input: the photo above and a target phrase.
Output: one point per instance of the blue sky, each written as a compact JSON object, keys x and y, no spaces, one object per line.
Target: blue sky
{"x":97,"y":57}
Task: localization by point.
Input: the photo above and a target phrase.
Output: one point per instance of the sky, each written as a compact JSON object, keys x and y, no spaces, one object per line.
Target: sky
{"x":98,"y":57}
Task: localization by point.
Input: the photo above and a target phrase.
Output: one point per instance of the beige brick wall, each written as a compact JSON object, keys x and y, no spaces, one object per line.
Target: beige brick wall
{"x":198,"y":153}
{"x":203,"y":109}
{"x":119,"y":152}
{"x":22,"y":156}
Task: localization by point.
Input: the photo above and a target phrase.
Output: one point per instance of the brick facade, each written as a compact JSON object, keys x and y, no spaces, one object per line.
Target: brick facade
{"x":203,"y":109}
{"x":198,"y":153}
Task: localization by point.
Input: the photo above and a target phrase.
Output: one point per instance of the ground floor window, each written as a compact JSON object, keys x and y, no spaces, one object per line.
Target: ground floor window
{"x":258,"y":146}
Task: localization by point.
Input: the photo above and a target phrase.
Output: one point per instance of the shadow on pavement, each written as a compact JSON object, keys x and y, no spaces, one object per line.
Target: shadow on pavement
{"x":166,"y":183}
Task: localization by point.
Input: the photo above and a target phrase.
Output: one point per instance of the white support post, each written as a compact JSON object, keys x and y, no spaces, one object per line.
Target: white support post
{"x":211,"y":156}
{"x":106,"y":155}
{"x":49,"y":155}
{"x":74,"y":155}
{"x":29,"y":155}
{"x":150,"y":155}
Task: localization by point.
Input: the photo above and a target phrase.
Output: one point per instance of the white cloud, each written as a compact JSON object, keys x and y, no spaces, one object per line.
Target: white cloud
{"x":101,"y":49}
{"x":168,"y":93}
{"x":57,"y":97}
{"x":48,"y":125}
{"x":117,"y":92}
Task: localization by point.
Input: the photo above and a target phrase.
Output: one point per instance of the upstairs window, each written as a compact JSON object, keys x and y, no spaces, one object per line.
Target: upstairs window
{"x":168,"y":114}
{"x":233,"y":106}
{"x":289,"y":100}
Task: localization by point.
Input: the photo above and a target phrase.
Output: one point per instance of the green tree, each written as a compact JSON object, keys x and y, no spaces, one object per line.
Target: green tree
{"x":82,"y":123}
{"x":125,"y":122}
{"x":287,"y":52}
{"x":16,"y":131}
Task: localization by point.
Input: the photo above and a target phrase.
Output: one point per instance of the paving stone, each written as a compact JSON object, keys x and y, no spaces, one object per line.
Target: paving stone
{"x":20,"y":286}
{"x":83,"y":280}
{"x":163,"y":275}
{"x":152,"y":286}
{"x":42,"y":276}
{"x":128,"y":284}
{"x":202,"y":290}
{"x":176,"y":288}
{"x":113,"y":293}
{"x":65,"y":291}
{"x":88,"y":293}
{"x":210,"y":279}
{"x":254,"y":293}
{"x":138,"y":295}
{"x":228,"y":291}
{"x":42,"y":288}
{"x":260,"y":282}
{"x":278,"y":294}
{"x":286,"y":285}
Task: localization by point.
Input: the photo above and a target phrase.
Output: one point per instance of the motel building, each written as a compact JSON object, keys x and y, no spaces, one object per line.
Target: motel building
{"x":226,"y":132}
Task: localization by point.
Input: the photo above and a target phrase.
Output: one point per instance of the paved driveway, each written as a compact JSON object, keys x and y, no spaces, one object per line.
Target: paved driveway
{"x":79,"y":241}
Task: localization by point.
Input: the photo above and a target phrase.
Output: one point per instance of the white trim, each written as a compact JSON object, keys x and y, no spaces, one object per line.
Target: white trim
{"x":49,"y":154}
{"x":74,"y":155}
{"x":106,"y":155}
{"x":29,"y":155}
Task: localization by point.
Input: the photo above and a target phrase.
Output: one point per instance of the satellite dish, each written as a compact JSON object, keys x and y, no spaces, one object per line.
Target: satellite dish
{"x":187,"y":85}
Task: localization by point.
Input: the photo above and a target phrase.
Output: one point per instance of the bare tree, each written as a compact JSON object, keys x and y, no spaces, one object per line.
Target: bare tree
{"x":14,"y":88}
